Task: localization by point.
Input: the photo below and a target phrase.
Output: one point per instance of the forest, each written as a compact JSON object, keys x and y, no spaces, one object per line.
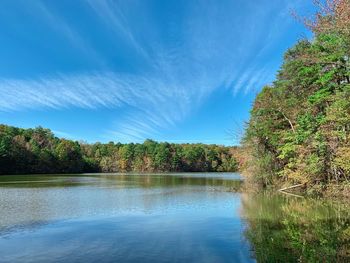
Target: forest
{"x":37,"y":150}
{"x":299,"y":130}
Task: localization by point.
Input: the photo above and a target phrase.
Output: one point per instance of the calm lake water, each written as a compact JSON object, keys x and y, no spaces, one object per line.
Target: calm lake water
{"x":200,"y":217}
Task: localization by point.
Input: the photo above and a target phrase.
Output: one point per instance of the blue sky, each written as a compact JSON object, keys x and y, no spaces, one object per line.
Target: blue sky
{"x":174,"y":70}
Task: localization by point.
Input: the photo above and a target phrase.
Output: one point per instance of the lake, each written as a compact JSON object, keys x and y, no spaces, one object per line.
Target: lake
{"x":198,"y":217}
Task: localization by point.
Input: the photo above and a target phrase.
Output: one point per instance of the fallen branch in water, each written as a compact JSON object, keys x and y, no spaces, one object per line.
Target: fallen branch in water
{"x":287,"y":193}
{"x":283,"y":190}
{"x":290,"y":187}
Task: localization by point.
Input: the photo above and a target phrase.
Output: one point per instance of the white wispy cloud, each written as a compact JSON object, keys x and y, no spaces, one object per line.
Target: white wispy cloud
{"x":63,"y":28}
{"x":112,"y":14}
{"x":214,"y":47}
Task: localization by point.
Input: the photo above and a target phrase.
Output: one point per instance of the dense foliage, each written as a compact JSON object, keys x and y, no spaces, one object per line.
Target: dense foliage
{"x":299,"y":129}
{"x":39,"y":151}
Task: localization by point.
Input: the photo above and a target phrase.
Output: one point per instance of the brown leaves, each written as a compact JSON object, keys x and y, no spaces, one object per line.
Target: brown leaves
{"x":331,"y":15}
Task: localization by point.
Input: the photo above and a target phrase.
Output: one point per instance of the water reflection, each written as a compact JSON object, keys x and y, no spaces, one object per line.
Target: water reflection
{"x":31,"y":199}
{"x":122,"y":218}
{"x":231,"y":180}
{"x":285,"y":229}
{"x":41,"y":198}
{"x":28,"y":199}
{"x":164,"y":218}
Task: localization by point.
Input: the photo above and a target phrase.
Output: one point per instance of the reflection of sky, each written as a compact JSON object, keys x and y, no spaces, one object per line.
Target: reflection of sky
{"x":136,"y":238}
{"x":184,"y":221}
{"x":110,"y":195}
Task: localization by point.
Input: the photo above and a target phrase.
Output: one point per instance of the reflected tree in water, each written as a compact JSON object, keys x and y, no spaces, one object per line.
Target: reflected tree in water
{"x":284,"y":229}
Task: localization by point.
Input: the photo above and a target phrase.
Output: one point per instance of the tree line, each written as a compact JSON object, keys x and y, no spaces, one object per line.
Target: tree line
{"x":39,"y":151}
{"x":299,"y":130}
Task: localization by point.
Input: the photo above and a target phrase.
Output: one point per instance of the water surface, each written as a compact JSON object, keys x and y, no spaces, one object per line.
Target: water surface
{"x":163,"y":218}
